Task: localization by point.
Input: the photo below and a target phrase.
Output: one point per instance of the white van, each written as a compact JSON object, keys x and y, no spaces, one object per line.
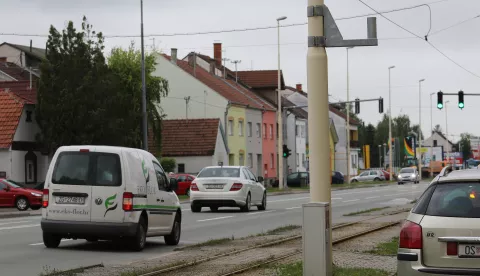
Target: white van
{"x":109,"y":193}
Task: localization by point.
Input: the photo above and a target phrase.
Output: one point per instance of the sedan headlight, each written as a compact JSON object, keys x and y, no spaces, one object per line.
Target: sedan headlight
{"x":399,"y":176}
{"x":413,"y":175}
{"x":35,"y":194}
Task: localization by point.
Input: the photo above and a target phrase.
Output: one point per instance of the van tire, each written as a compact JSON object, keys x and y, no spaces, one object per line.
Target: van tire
{"x":92,"y":240}
{"x":174,"y":237}
{"x":50,"y":240}
{"x":195,"y":208}
{"x":137,"y":242}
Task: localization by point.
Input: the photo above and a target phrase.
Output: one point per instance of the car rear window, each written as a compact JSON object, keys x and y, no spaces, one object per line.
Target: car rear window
{"x":460,"y":200}
{"x":219,"y":172}
{"x":89,"y":169}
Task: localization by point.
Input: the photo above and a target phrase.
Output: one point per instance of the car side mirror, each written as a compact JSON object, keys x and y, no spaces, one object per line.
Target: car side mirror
{"x":260,"y":179}
{"x":173,"y":184}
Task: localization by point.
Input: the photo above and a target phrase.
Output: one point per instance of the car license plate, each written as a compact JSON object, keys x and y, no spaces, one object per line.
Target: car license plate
{"x":70,"y":200}
{"x":469,"y":250}
{"x":215,"y":186}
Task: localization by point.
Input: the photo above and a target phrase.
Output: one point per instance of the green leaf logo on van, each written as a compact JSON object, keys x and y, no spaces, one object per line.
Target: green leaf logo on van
{"x":110,"y":204}
{"x":145,"y":171}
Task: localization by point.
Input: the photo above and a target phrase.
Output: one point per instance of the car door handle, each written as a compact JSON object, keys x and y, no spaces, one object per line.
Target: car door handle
{"x":159,"y":200}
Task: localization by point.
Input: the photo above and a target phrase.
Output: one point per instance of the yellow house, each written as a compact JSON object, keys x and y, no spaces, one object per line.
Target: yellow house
{"x":236,"y":135}
{"x":333,"y":142}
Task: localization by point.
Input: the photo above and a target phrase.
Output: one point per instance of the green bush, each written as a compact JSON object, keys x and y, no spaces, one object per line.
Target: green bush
{"x":168,"y":164}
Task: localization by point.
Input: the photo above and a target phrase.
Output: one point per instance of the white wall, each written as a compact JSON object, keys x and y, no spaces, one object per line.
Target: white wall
{"x":291,"y":143}
{"x":341,"y":149}
{"x":440,"y":142}
{"x":5,"y":164}
{"x":194,"y":164}
{"x":13,"y":55}
{"x":18,"y":166}
{"x":26,"y":131}
{"x":221,"y":154}
{"x":301,"y":146}
{"x":181,"y":85}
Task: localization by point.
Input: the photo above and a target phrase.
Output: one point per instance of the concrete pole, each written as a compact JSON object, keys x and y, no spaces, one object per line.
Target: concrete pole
{"x":446,"y":130}
{"x":348,"y":120}
{"x":279,"y":114}
{"x":144,"y":91}
{"x":390,"y":163}
{"x":431,"y":129}
{"x":420,"y":126}
{"x":380,"y":156}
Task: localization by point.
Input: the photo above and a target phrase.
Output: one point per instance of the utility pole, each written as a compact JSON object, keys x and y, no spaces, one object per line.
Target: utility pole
{"x":281,"y":162}
{"x":348,"y":120}
{"x":390,"y":163}
{"x":187,"y":101}
{"x":420,"y":126}
{"x":144,"y":91}
{"x":236,"y":62}
{"x":431,"y":132}
{"x":446,"y":130}
{"x":224,"y":67}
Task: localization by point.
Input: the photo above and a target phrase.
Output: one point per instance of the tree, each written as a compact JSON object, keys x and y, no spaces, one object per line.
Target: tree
{"x":76,"y":92}
{"x":465,"y":146}
{"x":126,"y":65}
{"x":437,"y":129}
{"x":168,"y":164}
{"x":416,"y":129}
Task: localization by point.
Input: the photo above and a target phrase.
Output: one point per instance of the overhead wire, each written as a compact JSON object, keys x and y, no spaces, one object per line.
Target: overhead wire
{"x":455,"y":25}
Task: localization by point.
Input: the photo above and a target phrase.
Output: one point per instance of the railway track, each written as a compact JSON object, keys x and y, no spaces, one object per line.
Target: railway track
{"x":248,"y":267}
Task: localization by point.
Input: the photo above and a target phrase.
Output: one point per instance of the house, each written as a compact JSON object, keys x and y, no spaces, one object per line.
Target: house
{"x":21,"y":158}
{"x":193,"y":143}
{"x":437,"y":139}
{"x":333,"y":143}
{"x":263,"y":82}
{"x":22,"y":56}
{"x":200,"y":92}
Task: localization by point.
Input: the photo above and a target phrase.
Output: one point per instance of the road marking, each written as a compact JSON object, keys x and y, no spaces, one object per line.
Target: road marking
{"x":333,"y":198}
{"x":372,"y":197}
{"x":202,"y":220}
{"x":19,"y":226}
{"x":352,"y":200}
{"x":41,"y":243}
{"x":21,"y":221}
{"x":291,"y":208}
{"x":402,"y":194}
{"x":290,"y":199}
{"x":261,"y":212}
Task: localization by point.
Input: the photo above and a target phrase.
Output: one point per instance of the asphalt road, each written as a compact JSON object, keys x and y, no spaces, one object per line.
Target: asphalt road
{"x":22,"y":251}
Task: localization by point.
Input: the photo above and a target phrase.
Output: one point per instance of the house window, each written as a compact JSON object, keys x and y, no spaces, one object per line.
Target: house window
{"x":259,"y":131}
{"x":435,"y":143}
{"x":265,"y":131}
{"x":230,"y":127}
{"x":181,"y":168}
{"x":249,"y":129}
{"x":29,"y":116}
{"x":271,"y":132}
{"x":297,"y":130}
{"x":298,"y":159}
{"x":272,"y":160}
{"x":30,"y":171}
{"x":250,"y":160}
{"x":241,"y":159}
{"x":240,"y":128}
{"x":303,"y":131}
{"x":303,"y":159}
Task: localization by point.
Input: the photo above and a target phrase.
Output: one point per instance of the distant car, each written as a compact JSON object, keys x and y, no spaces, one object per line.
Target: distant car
{"x":12,"y":195}
{"x":295,"y":179}
{"x":227,"y":186}
{"x":371,"y":175}
{"x":184,"y":182}
{"x":337,"y":177}
{"x":408,"y":175}
{"x":441,"y":233}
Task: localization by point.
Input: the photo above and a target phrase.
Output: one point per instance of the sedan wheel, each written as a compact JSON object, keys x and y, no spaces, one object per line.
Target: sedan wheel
{"x":248,"y":204}
{"x":22,"y":204}
{"x":264,"y":203}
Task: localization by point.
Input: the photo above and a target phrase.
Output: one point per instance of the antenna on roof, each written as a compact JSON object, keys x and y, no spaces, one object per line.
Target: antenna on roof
{"x":236,"y":62}
{"x":224,"y":67}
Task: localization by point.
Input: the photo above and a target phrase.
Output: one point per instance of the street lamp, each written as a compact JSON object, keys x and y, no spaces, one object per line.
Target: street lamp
{"x":390,"y":118}
{"x":380,"y":156}
{"x":279,"y":113}
{"x":446,"y":130}
{"x":144,"y":92}
{"x":420,"y":126}
{"x":348,"y":119}
{"x":431,"y":131}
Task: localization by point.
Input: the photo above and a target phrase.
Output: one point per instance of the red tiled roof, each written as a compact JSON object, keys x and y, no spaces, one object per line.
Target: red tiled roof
{"x":192,"y":137}
{"x":228,"y":89}
{"x":15,"y":71}
{"x":261,"y":78}
{"x":344,"y":116}
{"x":11,"y":108}
{"x":22,"y":90}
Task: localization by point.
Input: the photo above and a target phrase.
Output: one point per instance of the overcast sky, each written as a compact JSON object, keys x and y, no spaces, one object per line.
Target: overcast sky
{"x":414,"y":58}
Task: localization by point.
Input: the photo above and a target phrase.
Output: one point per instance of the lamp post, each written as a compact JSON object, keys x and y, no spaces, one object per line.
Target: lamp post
{"x":380,"y":156}
{"x":390,"y":164}
{"x":384,"y":153}
{"x":431,"y":132}
{"x":348,"y":119}
{"x":420,"y":126}
{"x":144,"y":91}
{"x":446,"y":130}
{"x":279,"y":113}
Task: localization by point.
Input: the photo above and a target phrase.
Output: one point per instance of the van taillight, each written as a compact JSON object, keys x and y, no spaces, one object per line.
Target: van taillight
{"x":46,"y":193}
{"x":127,"y":201}
{"x":411,"y":236}
{"x":193,"y":187}
{"x":236,"y":187}
{"x":84,"y":150}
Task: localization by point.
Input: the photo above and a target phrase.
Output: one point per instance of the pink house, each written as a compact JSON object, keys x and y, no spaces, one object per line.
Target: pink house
{"x":269,"y":144}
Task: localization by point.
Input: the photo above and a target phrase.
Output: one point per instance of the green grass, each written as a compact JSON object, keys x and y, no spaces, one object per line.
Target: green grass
{"x":296,"y":269}
{"x":277,"y":190}
{"x":387,"y":248}
{"x":365,"y":211}
{"x":48,"y":271}
{"x":137,"y":272}
{"x":278,"y":230}
{"x":183,"y":197}
{"x":212,"y":242}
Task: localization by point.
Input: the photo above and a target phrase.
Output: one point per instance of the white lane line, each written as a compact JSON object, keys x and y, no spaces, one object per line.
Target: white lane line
{"x":19,"y":226}
{"x":402,"y":194}
{"x":291,"y":208}
{"x":290,"y":199}
{"x":334,"y":198}
{"x":372,"y":197}
{"x":202,"y":220}
{"x":12,"y":222}
{"x":41,"y":243}
{"x":261,"y":212}
{"x":352,"y":200}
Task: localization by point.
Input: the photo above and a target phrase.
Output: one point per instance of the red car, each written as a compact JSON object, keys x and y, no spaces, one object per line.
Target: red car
{"x":12,"y":195}
{"x":184,"y":182}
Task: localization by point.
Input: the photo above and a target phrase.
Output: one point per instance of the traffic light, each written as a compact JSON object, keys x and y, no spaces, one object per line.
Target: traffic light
{"x":440,"y":100}
{"x":357,"y":106}
{"x":286,"y":151}
{"x":461,"y":103}
{"x":380,"y":105}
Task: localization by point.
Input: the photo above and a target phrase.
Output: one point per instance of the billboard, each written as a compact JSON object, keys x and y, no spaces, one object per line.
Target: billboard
{"x":454,"y":158}
{"x":430,"y":154}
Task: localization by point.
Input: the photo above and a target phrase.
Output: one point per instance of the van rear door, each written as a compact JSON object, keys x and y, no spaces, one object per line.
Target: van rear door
{"x":69,"y":187}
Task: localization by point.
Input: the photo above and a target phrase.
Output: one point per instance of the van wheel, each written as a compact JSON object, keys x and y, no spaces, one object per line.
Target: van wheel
{"x":195,"y":208}
{"x":248,"y":204}
{"x":92,"y":239}
{"x":22,"y":203}
{"x":174,"y":237}
{"x":50,"y":240}
{"x":264,"y":203}
{"x":137,"y":243}
{"x":214,"y":209}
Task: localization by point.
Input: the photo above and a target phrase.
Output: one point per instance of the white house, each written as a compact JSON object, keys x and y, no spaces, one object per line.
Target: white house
{"x":437,"y":139}
{"x":194,"y":143}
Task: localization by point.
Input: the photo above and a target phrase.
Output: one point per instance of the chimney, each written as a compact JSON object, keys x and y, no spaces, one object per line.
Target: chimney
{"x":299,"y":87}
{"x":217,"y":53}
{"x":192,"y":60}
{"x":30,"y":45}
{"x":212,"y":67}
{"x":174,"y":55}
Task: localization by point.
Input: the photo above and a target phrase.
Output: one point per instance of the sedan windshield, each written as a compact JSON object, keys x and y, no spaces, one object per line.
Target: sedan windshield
{"x":13,"y":185}
{"x":407,"y":170}
{"x":219,"y":172}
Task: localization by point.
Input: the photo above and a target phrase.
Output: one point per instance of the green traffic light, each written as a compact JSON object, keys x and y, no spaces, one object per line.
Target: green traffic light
{"x":461,"y":105}
{"x":440,"y":105}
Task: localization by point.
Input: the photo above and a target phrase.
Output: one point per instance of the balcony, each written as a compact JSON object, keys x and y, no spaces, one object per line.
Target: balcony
{"x":354,"y":144}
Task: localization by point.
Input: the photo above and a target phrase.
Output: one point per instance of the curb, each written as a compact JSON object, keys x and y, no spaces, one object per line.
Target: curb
{"x":15,"y":215}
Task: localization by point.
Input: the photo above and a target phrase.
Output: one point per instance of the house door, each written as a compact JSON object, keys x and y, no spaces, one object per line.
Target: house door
{"x":30,"y":167}
{"x":259,"y":165}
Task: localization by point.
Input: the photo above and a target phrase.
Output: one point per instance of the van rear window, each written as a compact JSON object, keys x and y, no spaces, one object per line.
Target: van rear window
{"x":88,"y":169}
{"x":461,"y":200}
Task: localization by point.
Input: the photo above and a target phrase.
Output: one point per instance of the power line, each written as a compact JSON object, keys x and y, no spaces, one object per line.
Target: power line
{"x":455,"y":25}
{"x":426,"y":40}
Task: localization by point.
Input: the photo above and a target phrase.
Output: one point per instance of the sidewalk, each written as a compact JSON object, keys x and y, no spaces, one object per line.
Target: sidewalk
{"x":14,"y":213}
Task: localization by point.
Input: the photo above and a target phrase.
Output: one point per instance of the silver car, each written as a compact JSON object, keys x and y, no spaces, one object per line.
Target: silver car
{"x":369,"y":176}
{"x":441,"y":235}
{"x":408,"y":175}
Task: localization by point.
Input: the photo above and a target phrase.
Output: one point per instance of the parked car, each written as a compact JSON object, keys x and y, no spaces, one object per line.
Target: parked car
{"x":296,"y":179}
{"x":184,"y":182}
{"x":408,"y":175}
{"x":371,"y":175}
{"x":227,"y":186}
{"x":440,"y":235}
{"x":12,"y":195}
{"x":337,"y":177}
